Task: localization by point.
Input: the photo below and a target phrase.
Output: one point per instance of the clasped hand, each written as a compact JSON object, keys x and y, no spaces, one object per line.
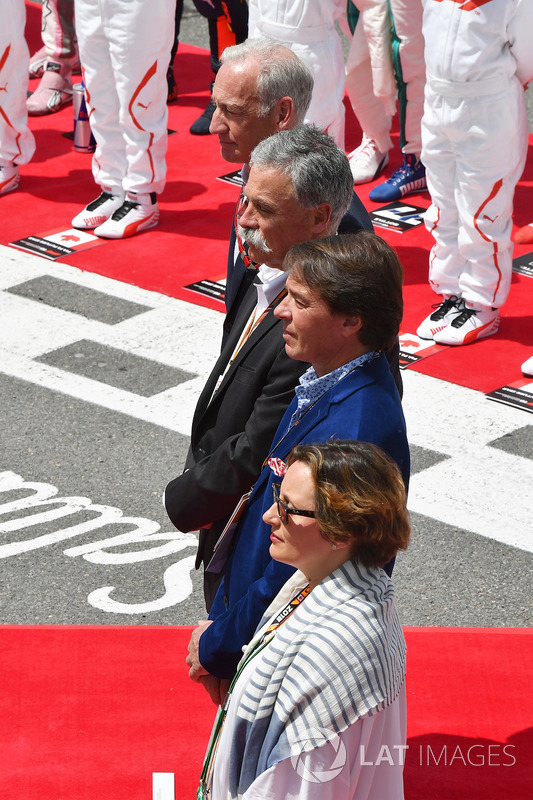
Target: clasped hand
{"x":217,"y":688}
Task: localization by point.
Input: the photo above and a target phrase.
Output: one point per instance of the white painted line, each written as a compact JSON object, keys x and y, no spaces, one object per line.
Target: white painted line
{"x":483,"y":492}
{"x":163,"y":786}
{"x":173,"y":409}
{"x":30,"y":328}
{"x":478,"y":488}
{"x":450,"y":419}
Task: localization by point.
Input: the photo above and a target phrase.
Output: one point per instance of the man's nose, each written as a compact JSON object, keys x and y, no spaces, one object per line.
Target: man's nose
{"x":282,"y":309}
{"x":216,"y":125}
{"x":247,"y":217}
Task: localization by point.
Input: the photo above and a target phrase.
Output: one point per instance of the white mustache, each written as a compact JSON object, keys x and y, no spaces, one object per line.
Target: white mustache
{"x":253,"y":237}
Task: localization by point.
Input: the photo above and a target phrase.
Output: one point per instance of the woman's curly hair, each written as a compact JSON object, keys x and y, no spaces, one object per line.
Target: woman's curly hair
{"x":359,"y":496}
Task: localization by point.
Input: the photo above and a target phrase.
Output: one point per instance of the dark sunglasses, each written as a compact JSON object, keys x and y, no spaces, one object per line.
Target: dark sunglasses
{"x":284,"y":511}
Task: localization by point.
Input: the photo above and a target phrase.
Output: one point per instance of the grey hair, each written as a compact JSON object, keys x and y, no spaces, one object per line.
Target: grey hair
{"x":282,"y":74}
{"x":318,"y":169}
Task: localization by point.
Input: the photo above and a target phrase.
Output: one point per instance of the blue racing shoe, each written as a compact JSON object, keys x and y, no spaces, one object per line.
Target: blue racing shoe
{"x":409,"y":177}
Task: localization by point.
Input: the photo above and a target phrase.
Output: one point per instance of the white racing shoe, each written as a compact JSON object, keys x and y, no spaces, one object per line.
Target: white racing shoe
{"x":367,"y":162}
{"x":527,"y":367}
{"x":137,"y":213}
{"x":39,"y":59}
{"x":98,"y":211}
{"x":469,"y":325}
{"x":440,"y":318}
{"x":54,"y":90}
{"x":38,"y":63}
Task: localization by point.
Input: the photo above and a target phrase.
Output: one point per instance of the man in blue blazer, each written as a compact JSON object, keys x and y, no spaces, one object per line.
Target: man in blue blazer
{"x":343,"y":309}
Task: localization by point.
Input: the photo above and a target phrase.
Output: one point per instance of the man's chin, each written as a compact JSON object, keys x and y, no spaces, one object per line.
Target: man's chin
{"x":229,"y":153}
{"x":266,"y":257}
{"x":292,"y":352}
{"x":258,"y":255}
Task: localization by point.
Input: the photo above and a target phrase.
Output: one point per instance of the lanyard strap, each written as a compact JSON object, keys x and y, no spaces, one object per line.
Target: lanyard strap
{"x":253,"y":323}
{"x":260,"y":644}
{"x":287,"y":611}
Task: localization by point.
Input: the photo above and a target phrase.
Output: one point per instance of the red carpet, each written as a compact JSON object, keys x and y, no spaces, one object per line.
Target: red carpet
{"x":92,"y":712}
{"x":196,"y":210}
{"x":469,"y":714}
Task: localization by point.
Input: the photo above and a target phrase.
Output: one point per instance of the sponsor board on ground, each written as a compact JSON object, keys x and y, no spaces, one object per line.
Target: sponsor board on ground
{"x":523,"y":265}
{"x":232,"y":177}
{"x":398,"y":217}
{"x":414,"y":349}
{"x":518,"y":394}
{"x":57,"y":243}
{"x":214,"y":289}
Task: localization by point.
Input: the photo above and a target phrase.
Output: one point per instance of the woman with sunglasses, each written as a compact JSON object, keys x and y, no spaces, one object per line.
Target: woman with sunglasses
{"x":316,"y":710}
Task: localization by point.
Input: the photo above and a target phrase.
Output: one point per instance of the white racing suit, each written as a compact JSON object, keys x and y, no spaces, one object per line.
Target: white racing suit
{"x":17,"y":144}
{"x":124,"y":48}
{"x":474,"y":141}
{"x":57,"y":30}
{"x":308,"y":28}
{"x":379,"y":58}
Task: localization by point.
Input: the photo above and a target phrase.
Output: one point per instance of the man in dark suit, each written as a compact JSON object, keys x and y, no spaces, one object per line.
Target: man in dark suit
{"x":261,"y":88}
{"x":299,"y":188}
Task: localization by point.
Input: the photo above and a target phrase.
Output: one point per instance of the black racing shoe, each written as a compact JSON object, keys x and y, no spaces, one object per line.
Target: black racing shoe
{"x":200,"y":127}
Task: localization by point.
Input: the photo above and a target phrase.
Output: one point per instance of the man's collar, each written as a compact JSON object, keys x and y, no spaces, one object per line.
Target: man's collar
{"x":272,"y":282}
{"x":310,"y":375}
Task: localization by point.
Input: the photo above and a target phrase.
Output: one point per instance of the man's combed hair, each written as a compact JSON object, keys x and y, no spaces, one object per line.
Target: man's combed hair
{"x":318,"y":169}
{"x":357,"y":275}
{"x":359,"y":497}
{"x":282,"y":74}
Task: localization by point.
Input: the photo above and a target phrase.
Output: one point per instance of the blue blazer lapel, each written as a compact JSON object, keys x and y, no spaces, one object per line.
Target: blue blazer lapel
{"x":338,"y":393}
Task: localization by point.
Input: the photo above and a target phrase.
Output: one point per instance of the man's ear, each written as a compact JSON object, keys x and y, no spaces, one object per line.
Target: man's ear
{"x":322,"y":219}
{"x":352,"y":326}
{"x":284,"y":113}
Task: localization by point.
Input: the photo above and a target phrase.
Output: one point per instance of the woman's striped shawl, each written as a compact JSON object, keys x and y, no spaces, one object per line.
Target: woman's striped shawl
{"x":339,"y":656}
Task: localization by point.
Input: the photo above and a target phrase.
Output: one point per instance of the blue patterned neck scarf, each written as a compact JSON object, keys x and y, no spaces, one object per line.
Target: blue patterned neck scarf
{"x":312,"y":387}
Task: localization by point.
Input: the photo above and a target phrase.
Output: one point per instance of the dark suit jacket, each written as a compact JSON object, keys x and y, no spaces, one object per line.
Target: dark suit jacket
{"x":232,"y":429}
{"x":365,"y":406}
